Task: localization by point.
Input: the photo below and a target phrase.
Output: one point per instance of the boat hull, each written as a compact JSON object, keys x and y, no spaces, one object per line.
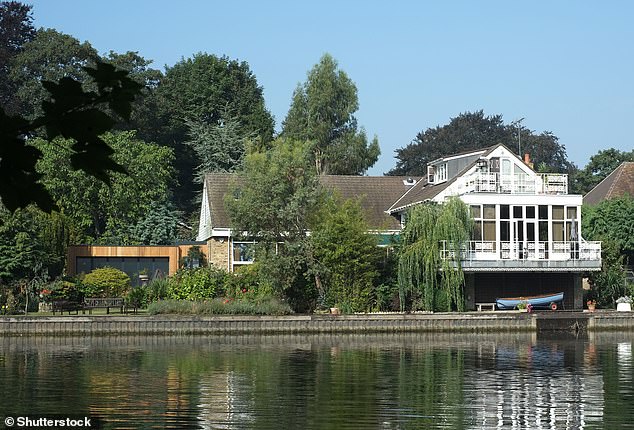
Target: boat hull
{"x":540,"y":302}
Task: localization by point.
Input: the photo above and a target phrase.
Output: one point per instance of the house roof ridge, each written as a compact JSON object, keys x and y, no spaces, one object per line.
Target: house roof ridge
{"x":619,"y":171}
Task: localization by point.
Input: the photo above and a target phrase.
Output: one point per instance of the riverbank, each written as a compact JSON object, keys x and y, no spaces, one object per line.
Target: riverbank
{"x":480,"y":322}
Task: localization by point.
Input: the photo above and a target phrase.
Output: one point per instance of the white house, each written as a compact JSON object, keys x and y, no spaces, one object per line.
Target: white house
{"x":527,"y":237}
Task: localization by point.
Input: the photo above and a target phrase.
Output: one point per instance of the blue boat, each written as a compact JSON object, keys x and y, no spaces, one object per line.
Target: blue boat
{"x":544,"y":301}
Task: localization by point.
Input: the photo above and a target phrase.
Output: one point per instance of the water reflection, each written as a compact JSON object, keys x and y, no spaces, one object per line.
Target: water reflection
{"x":344,"y":381}
{"x":539,"y":386}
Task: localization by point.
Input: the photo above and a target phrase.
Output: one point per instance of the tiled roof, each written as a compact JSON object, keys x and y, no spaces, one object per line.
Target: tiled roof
{"x":375,"y":193}
{"x":217,"y":187}
{"x":616,"y":184}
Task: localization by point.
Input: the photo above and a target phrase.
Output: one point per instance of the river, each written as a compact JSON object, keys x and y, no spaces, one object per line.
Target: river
{"x":378,"y":381}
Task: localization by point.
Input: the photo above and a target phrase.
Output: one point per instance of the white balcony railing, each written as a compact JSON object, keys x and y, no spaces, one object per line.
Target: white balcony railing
{"x":542,"y":183}
{"x":538,"y":250}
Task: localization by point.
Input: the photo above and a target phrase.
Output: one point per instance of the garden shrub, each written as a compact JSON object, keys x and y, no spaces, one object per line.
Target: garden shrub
{"x":386,"y":297}
{"x":157,"y":289}
{"x":248,"y":283}
{"x":137,"y":297}
{"x":63,"y":289}
{"x":106,"y":282}
{"x":197,"y":284}
{"x":220,"y":306}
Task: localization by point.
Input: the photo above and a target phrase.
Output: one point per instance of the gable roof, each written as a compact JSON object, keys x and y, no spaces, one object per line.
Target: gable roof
{"x":616,"y":184}
{"x":216,"y":187}
{"x":422,"y":192}
{"x":375,"y":194}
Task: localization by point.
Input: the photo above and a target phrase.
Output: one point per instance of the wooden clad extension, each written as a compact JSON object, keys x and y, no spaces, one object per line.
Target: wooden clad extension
{"x":173,"y":252}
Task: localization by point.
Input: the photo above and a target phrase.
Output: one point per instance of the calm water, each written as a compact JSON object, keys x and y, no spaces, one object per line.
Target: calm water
{"x":324,"y":382}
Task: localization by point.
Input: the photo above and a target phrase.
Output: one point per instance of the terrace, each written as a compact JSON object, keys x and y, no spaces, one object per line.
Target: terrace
{"x":528,"y":255}
{"x":519,"y":183}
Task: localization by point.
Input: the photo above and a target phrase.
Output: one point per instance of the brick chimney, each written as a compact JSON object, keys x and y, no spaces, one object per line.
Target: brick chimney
{"x":527,"y":160}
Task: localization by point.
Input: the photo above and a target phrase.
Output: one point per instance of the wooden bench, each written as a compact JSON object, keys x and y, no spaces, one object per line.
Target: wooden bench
{"x":62,"y":306}
{"x":479,"y":306}
{"x":106,"y":303}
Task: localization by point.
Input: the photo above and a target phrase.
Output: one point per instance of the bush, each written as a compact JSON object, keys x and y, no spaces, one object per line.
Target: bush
{"x":157,"y":289}
{"x":386,"y":297}
{"x":106,"y":282}
{"x":220,"y":306}
{"x":137,"y":297}
{"x":64,"y":289}
{"x":197,"y":284}
{"x":248,"y":283}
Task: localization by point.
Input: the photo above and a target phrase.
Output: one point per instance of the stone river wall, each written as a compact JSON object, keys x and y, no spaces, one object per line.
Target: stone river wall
{"x":482,"y":322}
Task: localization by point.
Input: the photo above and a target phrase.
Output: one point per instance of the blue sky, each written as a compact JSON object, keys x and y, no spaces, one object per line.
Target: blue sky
{"x":565,"y":66}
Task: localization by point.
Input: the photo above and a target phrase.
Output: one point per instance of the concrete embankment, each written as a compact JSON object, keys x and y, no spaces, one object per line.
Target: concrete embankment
{"x":482,"y":322}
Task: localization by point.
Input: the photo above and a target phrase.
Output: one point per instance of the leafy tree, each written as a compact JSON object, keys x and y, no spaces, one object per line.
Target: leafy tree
{"x":50,"y":56}
{"x":422,"y":269}
{"x":348,"y":257}
{"x":219,"y":147}
{"x":105,"y":213}
{"x":33,"y":243}
{"x":613,"y":220}
{"x":471,"y":131}
{"x":142,"y":118}
{"x":547,"y":154}
{"x":16,"y":29}
{"x":72,"y":113}
{"x":600,"y":166}
{"x":322,"y":111}
{"x":275,"y":201}
{"x":21,"y":249}
{"x":203,"y":89}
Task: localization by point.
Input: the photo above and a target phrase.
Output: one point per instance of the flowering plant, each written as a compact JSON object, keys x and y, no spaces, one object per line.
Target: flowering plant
{"x":592,"y":302}
{"x":45,"y":295}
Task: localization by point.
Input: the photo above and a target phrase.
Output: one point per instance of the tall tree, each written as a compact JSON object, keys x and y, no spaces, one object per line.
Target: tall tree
{"x":473,"y":130}
{"x":322,"y":111}
{"x":422,"y":269}
{"x":467,"y":131}
{"x":347,"y":257}
{"x":611,"y":222}
{"x":16,"y":29}
{"x":70,"y":112}
{"x":142,"y":118}
{"x":279,"y":186}
{"x":202,"y":89}
{"x":50,"y":56}
{"x":219,"y":147}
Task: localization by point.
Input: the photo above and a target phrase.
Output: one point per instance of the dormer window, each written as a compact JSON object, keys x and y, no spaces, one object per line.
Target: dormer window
{"x":441,"y":173}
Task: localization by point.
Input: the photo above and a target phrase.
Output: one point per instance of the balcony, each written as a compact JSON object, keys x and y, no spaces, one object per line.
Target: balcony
{"x":573,"y":256}
{"x":541,"y":183}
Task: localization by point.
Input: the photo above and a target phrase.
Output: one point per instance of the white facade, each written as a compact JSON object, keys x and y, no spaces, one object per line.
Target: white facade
{"x":524,"y":220}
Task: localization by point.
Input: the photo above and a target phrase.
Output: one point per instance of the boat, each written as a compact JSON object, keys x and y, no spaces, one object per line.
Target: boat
{"x":544,"y":301}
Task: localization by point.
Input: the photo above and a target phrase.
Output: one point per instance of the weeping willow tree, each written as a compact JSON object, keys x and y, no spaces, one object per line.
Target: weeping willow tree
{"x":422,"y":269}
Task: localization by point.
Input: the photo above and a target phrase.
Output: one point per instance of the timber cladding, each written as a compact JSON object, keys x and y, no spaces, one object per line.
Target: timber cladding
{"x":173,"y":253}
